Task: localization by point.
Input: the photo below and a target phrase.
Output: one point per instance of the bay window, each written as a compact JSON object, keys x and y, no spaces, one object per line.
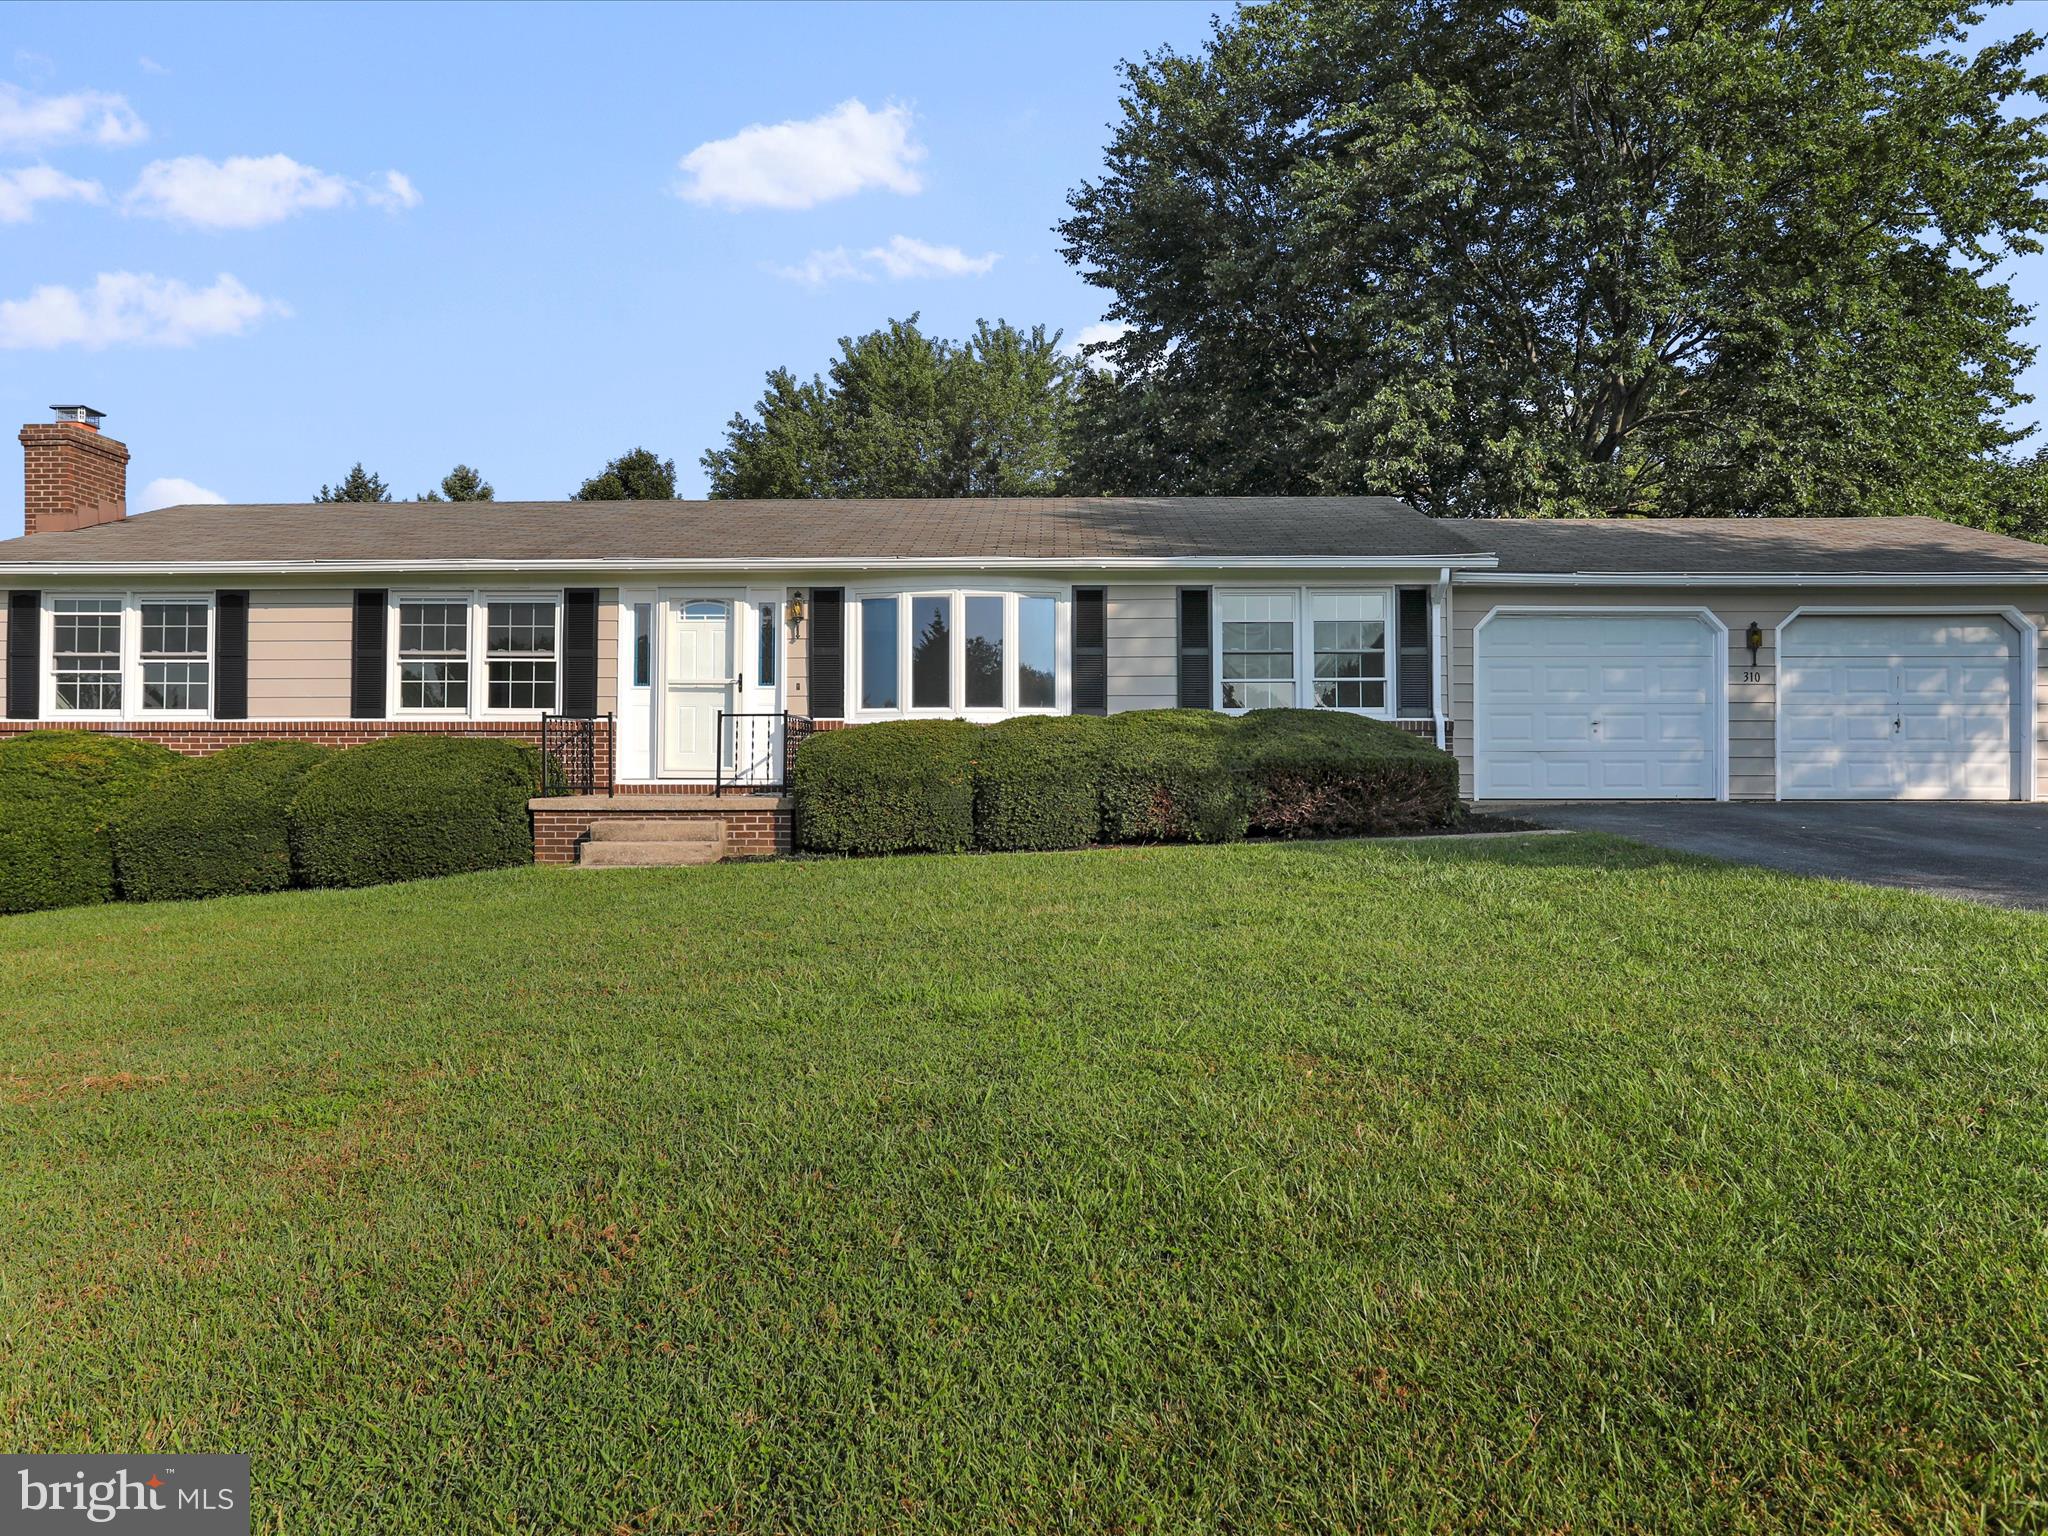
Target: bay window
{"x":85,"y":650}
{"x":957,"y":652}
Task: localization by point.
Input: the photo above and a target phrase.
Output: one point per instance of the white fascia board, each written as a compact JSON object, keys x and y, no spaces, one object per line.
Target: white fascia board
{"x":1761,"y":579}
{"x":737,"y":567}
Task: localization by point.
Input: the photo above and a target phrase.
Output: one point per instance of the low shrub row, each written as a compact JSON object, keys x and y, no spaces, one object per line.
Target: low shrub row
{"x":1146,"y":776}
{"x":86,"y":817}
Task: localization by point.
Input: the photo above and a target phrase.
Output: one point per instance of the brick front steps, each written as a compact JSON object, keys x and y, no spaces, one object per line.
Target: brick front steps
{"x":614,"y":831}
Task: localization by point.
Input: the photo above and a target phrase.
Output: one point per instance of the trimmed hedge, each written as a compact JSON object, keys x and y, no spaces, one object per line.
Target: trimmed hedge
{"x":1317,"y":773}
{"x":59,"y":790}
{"x":1146,"y":776}
{"x":408,"y":807}
{"x":214,"y":826}
{"x":1035,"y":783}
{"x":905,"y":786}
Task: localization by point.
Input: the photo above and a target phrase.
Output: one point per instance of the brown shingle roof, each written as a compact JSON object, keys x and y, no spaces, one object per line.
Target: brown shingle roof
{"x":1749,"y":546}
{"x":1041,"y":528}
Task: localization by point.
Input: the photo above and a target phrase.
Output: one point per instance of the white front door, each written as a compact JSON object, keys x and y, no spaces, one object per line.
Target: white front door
{"x":1590,"y":705}
{"x":697,"y":681}
{"x":1897,"y":706}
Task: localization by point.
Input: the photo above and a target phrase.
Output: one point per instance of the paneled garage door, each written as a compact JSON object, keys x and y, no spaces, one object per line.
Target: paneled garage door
{"x":1592,"y":705}
{"x":1896,"y":707}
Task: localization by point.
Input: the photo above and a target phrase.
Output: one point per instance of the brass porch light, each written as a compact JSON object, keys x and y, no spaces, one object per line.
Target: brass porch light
{"x":1755,"y":640}
{"x":796,"y":614}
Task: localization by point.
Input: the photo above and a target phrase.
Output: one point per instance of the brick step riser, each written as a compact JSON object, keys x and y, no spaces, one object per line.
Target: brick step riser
{"x":680,"y":830}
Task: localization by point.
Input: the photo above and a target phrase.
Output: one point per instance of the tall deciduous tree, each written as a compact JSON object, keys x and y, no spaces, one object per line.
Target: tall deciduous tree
{"x":635,"y":476}
{"x":357,"y":485}
{"x":462,"y":484}
{"x":1574,"y":256}
{"x":901,"y":413}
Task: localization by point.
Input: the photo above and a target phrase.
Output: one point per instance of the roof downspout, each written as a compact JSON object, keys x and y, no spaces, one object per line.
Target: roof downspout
{"x":1438,"y":672}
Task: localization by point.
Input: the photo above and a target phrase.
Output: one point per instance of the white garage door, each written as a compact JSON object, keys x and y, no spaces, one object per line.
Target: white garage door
{"x":1896,"y":707}
{"x":1592,"y":705}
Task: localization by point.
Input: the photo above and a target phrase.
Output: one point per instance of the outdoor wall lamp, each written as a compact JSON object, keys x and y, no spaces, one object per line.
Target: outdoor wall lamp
{"x":1754,"y":640}
{"x":796,"y":614}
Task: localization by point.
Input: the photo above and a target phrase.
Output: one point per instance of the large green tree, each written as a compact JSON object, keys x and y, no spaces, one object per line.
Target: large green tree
{"x":1574,"y":256}
{"x":358,"y":484}
{"x":901,"y":413}
{"x":461,"y":484}
{"x":635,"y":476}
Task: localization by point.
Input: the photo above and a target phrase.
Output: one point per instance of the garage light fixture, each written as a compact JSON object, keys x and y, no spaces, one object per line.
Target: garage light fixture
{"x":1754,"y":640}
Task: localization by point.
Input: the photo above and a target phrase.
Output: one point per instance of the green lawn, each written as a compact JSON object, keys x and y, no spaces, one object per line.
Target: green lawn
{"x":1538,"y":1184}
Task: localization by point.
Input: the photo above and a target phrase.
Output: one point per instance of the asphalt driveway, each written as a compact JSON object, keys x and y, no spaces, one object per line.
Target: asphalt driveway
{"x":1979,"y":852}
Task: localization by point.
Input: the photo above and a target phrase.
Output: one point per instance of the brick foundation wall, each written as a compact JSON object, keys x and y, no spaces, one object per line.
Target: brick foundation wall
{"x":201,"y":738}
{"x":754,"y":825}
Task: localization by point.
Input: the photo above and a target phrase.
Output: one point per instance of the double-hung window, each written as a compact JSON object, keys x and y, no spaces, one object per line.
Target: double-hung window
{"x":433,"y":654}
{"x":520,"y":653}
{"x":177,"y":665}
{"x":85,"y":652}
{"x":958,"y":652}
{"x":1350,"y":650}
{"x":1258,"y":649}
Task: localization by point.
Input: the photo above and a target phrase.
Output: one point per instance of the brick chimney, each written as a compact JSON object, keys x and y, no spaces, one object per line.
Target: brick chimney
{"x":76,"y":475}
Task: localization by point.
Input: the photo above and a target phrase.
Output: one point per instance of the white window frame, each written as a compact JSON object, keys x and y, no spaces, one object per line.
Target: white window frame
{"x":477,"y":601}
{"x":905,"y":593}
{"x":1304,"y":597}
{"x":131,"y":601}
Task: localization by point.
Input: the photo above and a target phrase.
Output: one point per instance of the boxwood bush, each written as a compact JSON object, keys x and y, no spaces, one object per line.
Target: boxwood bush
{"x":408,"y":807}
{"x":902,"y":786}
{"x":214,"y":826}
{"x":1146,"y":776}
{"x":59,"y":791}
{"x":1035,"y":783}
{"x":1318,"y":773}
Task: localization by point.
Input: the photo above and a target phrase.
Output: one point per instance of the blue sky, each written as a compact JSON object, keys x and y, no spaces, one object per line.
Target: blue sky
{"x":271,"y":241}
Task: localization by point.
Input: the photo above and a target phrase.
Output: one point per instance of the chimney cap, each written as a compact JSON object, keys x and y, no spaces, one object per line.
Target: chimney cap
{"x":84,"y":415}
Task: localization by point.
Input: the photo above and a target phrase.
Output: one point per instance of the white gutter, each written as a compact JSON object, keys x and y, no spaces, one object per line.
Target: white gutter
{"x":1760,"y":579}
{"x":1438,"y":672}
{"x":854,"y":567}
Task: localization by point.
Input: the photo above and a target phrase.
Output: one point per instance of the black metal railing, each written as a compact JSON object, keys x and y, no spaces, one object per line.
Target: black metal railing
{"x":570,"y":754}
{"x":755,"y":750}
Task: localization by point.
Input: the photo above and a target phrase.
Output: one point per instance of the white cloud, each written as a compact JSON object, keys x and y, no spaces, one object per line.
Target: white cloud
{"x":902,"y":257}
{"x":395,"y":192}
{"x":170,"y":491}
{"x":22,"y":189}
{"x":151,"y":67}
{"x":132,"y":308}
{"x":802,"y":164}
{"x":822,"y":267}
{"x":81,"y":117}
{"x":1091,"y":335}
{"x":905,"y":257}
{"x":249,"y":191}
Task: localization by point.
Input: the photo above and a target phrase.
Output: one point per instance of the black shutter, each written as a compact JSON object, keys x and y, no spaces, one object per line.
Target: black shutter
{"x":1197,"y":667}
{"x":24,"y":655}
{"x":1091,"y":651}
{"x":579,"y":652}
{"x":828,"y":653}
{"x":366,"y":658}
{"x":1411,"y":637}
{"x":230,"y":655}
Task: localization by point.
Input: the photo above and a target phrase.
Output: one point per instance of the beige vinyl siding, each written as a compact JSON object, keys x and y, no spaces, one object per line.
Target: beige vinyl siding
{"x":1141,"y":640}
{"x":607,"y":650}
{"x":1752,"y":700}
{"x":299,"y":654}
{"x":796,"y":660}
